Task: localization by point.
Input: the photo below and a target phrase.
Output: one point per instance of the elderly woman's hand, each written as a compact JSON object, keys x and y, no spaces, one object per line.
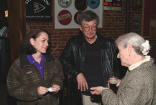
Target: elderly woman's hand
{"x":96,"y":90}
{"x":117,"y":81}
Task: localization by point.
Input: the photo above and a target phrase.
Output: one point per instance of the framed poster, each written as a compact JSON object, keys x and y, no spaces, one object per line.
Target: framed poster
{"x":67,"y":12}
{"x":113,"y":5}
{"x":38,"y":10}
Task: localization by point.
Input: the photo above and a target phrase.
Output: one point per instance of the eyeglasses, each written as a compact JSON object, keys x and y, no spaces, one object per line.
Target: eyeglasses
{"x":87,"y":28}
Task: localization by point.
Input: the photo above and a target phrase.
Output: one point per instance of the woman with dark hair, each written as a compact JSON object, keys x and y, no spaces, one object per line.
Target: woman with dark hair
{"x":35,"y":77}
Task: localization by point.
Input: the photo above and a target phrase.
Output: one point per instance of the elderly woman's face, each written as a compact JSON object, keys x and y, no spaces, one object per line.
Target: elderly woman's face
{"x":123,"y":55}
{"x":40,"y":43}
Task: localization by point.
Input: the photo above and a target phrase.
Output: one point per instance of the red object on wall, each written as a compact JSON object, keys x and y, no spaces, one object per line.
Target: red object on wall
{"x":64,"y":17}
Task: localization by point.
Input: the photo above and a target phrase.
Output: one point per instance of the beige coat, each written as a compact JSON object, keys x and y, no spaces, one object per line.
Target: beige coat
{"x":136,"y":88}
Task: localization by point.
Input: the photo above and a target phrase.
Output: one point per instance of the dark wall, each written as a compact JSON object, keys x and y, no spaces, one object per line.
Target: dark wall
{"x":3,"y":5}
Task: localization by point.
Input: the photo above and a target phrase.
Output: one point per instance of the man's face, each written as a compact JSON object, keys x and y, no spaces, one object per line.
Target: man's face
{"x":89,"y":28}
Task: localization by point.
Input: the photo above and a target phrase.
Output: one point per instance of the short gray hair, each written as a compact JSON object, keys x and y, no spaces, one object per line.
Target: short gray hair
{"x":88,"y":15}
{"x":136,"y":40}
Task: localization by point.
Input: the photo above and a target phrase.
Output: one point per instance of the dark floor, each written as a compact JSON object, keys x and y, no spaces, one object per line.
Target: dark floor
{"x":3,"y":94}
{"x":5,"y":99}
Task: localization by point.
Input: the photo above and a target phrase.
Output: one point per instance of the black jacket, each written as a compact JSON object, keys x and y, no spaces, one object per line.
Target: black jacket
{"x":73,"y":57}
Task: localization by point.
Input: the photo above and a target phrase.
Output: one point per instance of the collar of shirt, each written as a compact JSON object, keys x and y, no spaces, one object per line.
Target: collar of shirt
{"x":132,"y":67}
{"x":40,"y":66}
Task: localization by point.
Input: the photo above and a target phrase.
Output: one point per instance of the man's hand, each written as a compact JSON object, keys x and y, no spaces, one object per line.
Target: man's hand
{"x":82,"y":83}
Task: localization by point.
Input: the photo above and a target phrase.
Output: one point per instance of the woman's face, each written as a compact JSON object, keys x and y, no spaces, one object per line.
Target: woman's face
{"x":40,"y":43}
{"x":123,"y":55}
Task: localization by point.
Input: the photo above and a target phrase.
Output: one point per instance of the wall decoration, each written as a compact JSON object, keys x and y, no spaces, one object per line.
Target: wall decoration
{"x":64,"y":3}
{"x":80,"y":5}
{"x":93,"y":3}
{"x":67,"y":12}
{"x":64,"y":17}
{"x":113,"y":5}
{"x":77,"y":17}
{"x":38,"y":10}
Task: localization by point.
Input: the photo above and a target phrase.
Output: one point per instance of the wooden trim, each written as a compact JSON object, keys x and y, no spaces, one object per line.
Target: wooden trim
{"x":16,"y":23}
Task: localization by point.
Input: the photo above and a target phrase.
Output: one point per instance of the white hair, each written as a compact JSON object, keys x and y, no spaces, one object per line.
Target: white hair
{"x":140,"y":45}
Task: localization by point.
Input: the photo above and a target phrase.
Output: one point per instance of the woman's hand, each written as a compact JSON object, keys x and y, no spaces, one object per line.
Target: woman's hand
{"x":55,"y":88}
{"x":42,"y":90}
{"x":117,"y":81}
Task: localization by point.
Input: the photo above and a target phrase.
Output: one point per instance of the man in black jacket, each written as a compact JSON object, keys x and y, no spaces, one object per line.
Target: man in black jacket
{"x":89,"y":60}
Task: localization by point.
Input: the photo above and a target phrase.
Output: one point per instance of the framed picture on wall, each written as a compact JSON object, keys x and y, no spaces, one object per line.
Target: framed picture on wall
{"x":112,"y":5}
{"x":67,"y":12}
{"x":38,"y":10}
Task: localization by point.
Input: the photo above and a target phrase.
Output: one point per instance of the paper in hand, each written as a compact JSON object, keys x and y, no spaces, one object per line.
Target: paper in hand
{"x":50,"y":89}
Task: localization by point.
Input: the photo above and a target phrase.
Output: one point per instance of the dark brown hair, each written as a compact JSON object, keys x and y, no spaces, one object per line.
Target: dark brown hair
{"x":27,"y":48}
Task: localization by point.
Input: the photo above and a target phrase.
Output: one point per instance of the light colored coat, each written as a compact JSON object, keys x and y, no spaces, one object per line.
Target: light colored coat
{"x":136,"y":88}
{"x":154,"y":86}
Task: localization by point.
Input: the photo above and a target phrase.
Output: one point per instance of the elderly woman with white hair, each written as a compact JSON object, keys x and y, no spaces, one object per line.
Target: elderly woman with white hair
{"x":136,"y":88}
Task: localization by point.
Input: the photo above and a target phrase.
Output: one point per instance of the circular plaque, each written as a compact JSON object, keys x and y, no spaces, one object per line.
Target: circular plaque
{"x":93,"y":3}
{"x":64,"y":3}
{"x":64,"y":17}
{"x":80,"y":5}
{"x":77,"y":17}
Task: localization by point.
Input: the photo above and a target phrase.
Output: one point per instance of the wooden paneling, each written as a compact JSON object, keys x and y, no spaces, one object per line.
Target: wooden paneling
{"x":16,"y":21}
{"x":153,"y":48}
{"x":149,"y":18}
